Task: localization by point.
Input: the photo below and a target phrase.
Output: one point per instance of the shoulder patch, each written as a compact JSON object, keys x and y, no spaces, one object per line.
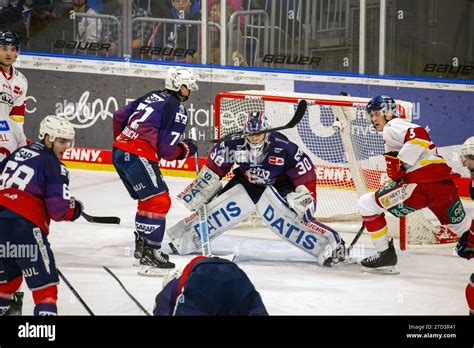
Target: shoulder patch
{"x":4,"y":126}
{"x":25,"y":154}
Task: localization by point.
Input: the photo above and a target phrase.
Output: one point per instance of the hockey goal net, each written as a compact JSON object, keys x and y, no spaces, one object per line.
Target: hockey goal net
{"x":346,"y":150}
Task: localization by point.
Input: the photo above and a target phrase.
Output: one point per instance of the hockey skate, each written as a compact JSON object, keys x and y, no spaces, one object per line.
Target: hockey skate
{"x":16,"y":305}
{"x":383,"y":262}
{"x":139,"y":245}
{"x":154,"y":263}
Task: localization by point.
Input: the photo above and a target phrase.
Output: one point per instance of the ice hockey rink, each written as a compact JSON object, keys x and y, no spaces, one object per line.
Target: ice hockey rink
{"x":431,"y":282}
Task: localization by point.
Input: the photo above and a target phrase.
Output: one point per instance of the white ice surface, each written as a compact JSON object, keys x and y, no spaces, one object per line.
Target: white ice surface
{"x":290,"y":282}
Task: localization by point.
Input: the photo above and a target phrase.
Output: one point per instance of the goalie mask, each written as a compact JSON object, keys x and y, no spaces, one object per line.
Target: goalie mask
{"x":256,"y":122}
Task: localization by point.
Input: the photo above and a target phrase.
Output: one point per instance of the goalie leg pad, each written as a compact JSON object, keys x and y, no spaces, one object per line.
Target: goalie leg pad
{"x":223,"y":213}
{"x":312,"y":237}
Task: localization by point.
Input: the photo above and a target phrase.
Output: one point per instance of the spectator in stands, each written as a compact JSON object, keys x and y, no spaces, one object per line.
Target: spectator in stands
{"x":88,"y":29}
{"x":44,"y":23}
{"x":177,"y":36}
{"x":141,"y":31}
{"x":236,"y":5}
{"x":238,"y":43}
{"x":209,"y":286}
{"x":11,"y":19}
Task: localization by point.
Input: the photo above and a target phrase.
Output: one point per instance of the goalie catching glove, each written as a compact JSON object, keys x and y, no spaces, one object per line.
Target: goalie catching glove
{"x":395,"y":170}
{"x":206,"y":185}
{"x":302,"y":202}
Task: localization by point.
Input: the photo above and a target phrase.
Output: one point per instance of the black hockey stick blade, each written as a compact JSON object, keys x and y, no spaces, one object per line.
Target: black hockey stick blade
{"x":299,"y":113}
{"x":139,"y":305}
{"x":115,"y":220}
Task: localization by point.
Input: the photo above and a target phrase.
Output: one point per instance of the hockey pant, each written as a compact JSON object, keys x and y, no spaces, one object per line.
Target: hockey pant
{"x":401,"y":199}
{"x":223,"y":213}
{"x":312,"y":237}
{"x":29,"y":257}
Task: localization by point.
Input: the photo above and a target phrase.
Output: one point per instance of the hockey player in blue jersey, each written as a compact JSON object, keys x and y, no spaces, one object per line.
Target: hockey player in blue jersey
{"x":208,"y":286}
{"x":272,"y":175}
{"x":146,"y":130}
{"x":34,"y":190}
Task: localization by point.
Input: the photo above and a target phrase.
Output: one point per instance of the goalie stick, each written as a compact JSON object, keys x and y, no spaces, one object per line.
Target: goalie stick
{"x":203,"y":227}
{"x":299,"y":113}
{"x":101,"y":219}
{"x":86,"y":307}
{"x":202,"y":212}
{"x":126,"y":291}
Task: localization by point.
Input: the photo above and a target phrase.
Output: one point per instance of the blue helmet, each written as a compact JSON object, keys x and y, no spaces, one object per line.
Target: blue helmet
{"x":256,"y":122}
{"x":9,"y":38}
{"x":384,"y":103}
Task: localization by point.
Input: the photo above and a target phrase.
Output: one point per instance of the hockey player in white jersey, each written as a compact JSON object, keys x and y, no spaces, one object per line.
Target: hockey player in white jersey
{"x":14,"y":85}
{"x":273,"y":177}
{"x":421,"y":179}
{"x":11,"y":138}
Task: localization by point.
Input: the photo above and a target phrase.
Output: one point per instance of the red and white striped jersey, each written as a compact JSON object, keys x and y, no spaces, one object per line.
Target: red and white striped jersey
{"x":11,"y":138}
{"x":417,"y":152}
{"x":13,"y":96}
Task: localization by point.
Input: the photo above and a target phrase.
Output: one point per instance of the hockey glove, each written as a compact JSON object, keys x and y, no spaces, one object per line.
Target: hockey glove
{"x":188,"y":147}
{"x":78,"y":208}
{"x":302,"y":202}
{"x":395,"y":169}
{"x":465,"y":246}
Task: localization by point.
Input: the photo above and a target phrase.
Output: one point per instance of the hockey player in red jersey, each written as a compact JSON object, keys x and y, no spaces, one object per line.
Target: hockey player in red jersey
{"x":13,"y":85}
{"x":33,"y":190}
{"x":145,"y":130}
{"x":421,"y":179}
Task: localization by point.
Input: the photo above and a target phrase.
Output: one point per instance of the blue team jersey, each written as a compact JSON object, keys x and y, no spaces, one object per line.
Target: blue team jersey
{"x":280,"y":160}
{"x":34,"y":184}
{"x":151,"y":126}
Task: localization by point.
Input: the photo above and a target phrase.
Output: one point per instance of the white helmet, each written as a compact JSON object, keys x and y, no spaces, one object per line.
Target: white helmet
{"x":56,"y":127}
{"x":467,"y":149}
{"x":176,"y":77}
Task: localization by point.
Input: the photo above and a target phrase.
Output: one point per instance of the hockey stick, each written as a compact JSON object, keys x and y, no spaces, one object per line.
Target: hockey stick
{"x":202,"y":212}
{"x":101,"y":219}
{"x":356,"y":238}
{"x":299,"y":113}
{"x":126,"y":291}
{"x":75,"y":293}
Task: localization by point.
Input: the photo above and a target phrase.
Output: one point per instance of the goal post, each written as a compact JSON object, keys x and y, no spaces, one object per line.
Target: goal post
{"x":337,"y":134}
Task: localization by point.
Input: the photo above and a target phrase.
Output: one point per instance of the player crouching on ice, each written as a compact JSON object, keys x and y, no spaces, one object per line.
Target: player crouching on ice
{"x":274,"y":176}
{"x":421,"y":179}
{"x":33,"y":190}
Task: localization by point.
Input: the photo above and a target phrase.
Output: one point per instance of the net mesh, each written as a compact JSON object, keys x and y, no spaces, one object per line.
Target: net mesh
{"x":337,"y":134}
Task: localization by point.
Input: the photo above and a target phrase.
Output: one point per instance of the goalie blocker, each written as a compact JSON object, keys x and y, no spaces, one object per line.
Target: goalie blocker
{"x":234,"y":205}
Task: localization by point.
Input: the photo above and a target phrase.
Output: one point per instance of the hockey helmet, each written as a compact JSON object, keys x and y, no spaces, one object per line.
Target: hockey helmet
{"x":467,"y":149}
{"x":256,"y":122}
{"x":177,"y":76}
{"x":384,"y":103}
{"x":56,"y":127}
{"x":9,"y":38}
